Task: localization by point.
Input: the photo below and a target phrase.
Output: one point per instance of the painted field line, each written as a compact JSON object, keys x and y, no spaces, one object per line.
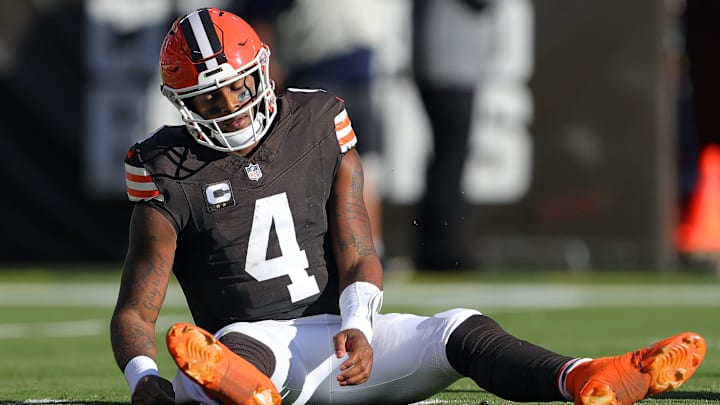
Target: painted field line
{"x":60,"y":329}
{"x":87,"y":327}
{"x":71,"y":295}
{"x":549,"y":296}
{"x":437,"y":296}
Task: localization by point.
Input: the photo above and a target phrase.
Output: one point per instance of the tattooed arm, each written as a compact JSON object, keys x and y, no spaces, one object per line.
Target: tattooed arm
{"x":359,"y":270}
{"x":144,"y":283}
{"x":350,"y":227}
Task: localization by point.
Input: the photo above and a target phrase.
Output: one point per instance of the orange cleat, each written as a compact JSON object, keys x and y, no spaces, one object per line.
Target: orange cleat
{"x":225,"y":376}
{"x":633,"y":376}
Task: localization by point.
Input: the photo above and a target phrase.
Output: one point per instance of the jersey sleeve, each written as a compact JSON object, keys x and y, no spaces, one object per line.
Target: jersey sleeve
{"x":139,"y":182}
{"x":142,"y":186}
{"x":344,"y":131}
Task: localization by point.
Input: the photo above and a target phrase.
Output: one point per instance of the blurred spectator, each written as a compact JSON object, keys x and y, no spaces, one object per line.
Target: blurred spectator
{"x":447,"y":64}
{"x":331,"y":45}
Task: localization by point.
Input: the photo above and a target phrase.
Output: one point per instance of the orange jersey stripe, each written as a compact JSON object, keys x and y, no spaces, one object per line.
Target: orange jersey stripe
{"x":347,"y":138}
{"x":138,"y":178}
{"x":339,"y":126}
{"x":344,"y":131}
{"x":143,"y":193}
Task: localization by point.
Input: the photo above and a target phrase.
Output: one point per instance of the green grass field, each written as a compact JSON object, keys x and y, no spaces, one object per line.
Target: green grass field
{"x":54,"y":344}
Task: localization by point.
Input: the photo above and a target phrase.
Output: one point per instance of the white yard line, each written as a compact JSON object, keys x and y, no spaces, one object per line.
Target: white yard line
{"x":547,"y":296}
{"x":86,"y":327}
{"x":70,"y":295}
{"x":42,"y":401}
{"x":475,"y":295}
{"x":483,"y":297}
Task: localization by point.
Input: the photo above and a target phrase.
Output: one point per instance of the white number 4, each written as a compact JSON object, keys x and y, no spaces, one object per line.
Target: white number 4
{"x":293,"y":262}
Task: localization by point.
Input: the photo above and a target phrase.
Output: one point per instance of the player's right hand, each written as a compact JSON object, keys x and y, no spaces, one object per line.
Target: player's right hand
{"x":153,"y":389}
{"x":357,"y":367}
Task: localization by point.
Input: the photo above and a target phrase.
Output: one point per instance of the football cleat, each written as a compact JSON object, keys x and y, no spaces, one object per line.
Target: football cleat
{"x":633,"y":376}
{"x":224,"y":375}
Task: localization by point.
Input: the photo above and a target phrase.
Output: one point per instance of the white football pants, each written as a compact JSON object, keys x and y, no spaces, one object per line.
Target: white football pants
{"x":409,"y":361}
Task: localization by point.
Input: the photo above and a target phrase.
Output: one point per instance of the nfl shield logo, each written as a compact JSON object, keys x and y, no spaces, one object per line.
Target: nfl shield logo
{"x":253,"y":172}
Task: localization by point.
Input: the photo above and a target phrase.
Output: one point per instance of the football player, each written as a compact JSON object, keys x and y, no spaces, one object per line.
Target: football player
{"x":255,"y":205}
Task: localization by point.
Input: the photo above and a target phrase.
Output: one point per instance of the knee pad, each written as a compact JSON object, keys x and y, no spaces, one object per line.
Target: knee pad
{"x":254,"y":351}
{"x":454,"y":318}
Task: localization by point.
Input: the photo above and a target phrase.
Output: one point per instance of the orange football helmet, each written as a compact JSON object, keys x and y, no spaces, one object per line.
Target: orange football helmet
{"x":208,"y":49}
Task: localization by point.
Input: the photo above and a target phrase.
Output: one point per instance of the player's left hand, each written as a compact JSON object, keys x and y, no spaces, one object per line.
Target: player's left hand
{"x":356,"y":369}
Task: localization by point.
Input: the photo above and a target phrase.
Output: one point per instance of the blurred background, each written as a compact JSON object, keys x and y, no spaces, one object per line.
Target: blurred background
{"x":582,"y":149}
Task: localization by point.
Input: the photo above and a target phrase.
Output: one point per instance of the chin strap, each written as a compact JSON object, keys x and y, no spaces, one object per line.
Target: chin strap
{"x":245,"y":137}
{"x":359,"y":302}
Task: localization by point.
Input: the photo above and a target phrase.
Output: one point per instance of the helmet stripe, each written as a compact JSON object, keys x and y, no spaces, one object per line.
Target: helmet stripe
{"x":202,"y":40}
{"x":211,"y":34}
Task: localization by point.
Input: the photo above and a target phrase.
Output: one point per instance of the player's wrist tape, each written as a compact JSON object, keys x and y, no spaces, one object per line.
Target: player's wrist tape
{"x":137,"y":368}
{"x":359,"y":302}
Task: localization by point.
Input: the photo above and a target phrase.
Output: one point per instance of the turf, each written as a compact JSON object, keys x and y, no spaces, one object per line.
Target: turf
{"x":58,"y":351}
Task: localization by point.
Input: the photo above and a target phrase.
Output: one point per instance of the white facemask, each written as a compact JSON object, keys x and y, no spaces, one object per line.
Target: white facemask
{"x":241,"y":138}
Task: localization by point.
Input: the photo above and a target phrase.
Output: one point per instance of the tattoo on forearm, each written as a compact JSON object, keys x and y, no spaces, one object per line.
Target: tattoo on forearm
{"x":154,"y":297}
{"x":353,"y":211}
{"x":140,"y":339}
{"x":131,"y":340}
{"x":132,"y":336}
{"x":364,"y":246}
{"x":358,"y":179}
{"x":153,"y":283}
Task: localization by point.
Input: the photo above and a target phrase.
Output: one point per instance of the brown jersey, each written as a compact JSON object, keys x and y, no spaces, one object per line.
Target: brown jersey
{"x":251,"y":230}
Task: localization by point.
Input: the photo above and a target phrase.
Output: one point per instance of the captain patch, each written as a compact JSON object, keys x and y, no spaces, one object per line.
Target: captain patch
{"x":218,"y":195}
